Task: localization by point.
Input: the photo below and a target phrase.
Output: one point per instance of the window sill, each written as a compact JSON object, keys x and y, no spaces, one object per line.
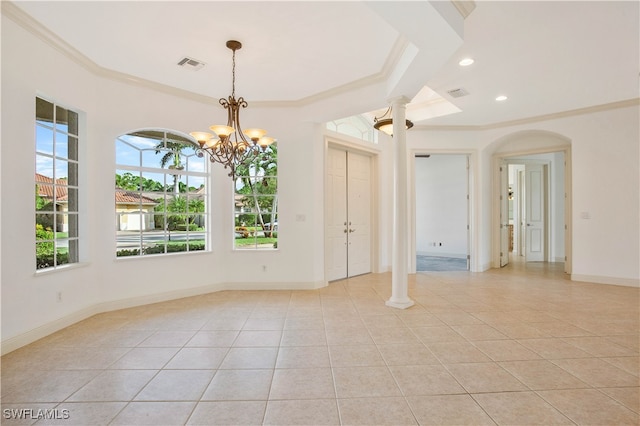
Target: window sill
{"x":67,"y":267}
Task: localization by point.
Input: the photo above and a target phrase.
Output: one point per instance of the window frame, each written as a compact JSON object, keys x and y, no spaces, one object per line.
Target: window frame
{"x":250,"y":233}
{"x":60,"y":127}
{"x":144,"y":246}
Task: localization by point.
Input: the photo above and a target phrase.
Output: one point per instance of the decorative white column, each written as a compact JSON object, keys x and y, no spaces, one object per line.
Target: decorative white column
{"x":399,"y":266}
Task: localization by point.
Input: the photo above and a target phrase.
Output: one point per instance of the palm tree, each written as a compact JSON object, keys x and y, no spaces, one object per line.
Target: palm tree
{"x":173,"y":157}
{"x":127,"y":181}
{"x":257,"y":180}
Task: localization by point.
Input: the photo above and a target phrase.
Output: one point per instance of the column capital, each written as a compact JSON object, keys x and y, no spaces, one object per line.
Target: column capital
{"x":399,"y":100}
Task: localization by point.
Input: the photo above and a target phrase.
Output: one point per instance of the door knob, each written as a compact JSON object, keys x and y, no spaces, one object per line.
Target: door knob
{"x":352,"y":230}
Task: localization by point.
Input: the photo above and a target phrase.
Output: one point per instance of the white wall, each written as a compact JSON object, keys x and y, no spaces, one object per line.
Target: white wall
{"x":110,"y":108}
{"x":441,"y":205}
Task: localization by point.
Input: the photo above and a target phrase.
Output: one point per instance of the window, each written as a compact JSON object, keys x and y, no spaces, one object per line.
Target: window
{"x":357,"y":126}
{"x":56,"y":185}
{"x":160,"y":194}
{"x":256,"y":202}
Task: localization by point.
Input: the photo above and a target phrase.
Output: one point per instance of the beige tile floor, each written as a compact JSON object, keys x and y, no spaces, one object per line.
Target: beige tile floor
{"x":520,"y":345}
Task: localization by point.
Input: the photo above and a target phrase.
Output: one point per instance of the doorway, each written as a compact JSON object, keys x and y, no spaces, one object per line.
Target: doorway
{"x":442,"y":212}
{"x":533,"y":208}
{"x":348,"y":186}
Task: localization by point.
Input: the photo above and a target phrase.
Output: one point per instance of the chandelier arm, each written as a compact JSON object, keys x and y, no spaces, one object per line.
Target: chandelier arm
{"x":235,"y":116}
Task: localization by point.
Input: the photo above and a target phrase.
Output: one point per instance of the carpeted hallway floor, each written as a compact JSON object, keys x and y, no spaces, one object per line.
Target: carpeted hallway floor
{"x":437,"y":263}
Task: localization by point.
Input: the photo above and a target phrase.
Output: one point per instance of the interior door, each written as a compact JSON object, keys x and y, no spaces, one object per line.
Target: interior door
{"x":535,"y":212}
{"x":358,"y":214}
{"x":522,"y":228}
{"x":504,"y":215}
{"x":336,"y":214}
{"x":348,"y":214}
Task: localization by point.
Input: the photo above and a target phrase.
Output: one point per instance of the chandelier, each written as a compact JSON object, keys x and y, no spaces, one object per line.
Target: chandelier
{"x":229,"y":145}
{"x":385,"y":123}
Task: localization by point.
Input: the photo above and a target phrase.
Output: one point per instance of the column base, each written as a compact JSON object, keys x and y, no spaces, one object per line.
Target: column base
{"x":400,"y":304}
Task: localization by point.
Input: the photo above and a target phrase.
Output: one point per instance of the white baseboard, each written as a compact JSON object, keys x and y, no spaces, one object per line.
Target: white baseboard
{"x":23,"y":339}
{"x":482,"y":267}
{"x":599,"y":279}
{"x":13,"y":343}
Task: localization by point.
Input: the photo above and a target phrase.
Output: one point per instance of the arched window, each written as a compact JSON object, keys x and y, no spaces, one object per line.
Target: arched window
{"x":161,"y":194}
{"x":356,"y":126}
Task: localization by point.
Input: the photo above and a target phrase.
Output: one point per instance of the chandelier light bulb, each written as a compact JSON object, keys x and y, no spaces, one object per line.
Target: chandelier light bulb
{"x":201,"y":137}
{"x":265,"y":141}
{"x":255,"y":134}
{"x":222,"y":131}
{"x":212,"y":143}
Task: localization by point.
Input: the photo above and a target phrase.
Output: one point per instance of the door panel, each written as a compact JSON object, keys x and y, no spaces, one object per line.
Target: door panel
{"x":336,"y":215}
{"x":535,"y":213}
{"x":359,"y":214}
{"x":504,"y":215}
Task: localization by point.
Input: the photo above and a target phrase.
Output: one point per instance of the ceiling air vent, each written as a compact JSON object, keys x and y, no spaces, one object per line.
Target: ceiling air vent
{"x":457,"y":93}
{"x":190,"y":63}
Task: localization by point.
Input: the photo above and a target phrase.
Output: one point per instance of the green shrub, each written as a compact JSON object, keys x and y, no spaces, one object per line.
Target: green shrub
{"x":127,"y":252}
{"x":47,"y":260}
{"x":172,"y":247}
{"x":185,"y":227}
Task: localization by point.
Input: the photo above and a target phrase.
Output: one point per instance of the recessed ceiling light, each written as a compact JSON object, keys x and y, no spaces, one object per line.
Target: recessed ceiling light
{"x":501,"y":98}
{"x":465,"y":62}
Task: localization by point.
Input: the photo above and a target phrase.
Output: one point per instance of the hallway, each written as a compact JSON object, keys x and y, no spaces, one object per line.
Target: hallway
{"x":518,"y":345}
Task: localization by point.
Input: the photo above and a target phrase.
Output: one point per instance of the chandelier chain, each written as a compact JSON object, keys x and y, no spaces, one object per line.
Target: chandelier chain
{"x":233,"y":75}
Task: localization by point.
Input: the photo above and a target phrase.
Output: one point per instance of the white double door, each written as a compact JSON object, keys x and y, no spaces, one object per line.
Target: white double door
{"x":348,"y":214}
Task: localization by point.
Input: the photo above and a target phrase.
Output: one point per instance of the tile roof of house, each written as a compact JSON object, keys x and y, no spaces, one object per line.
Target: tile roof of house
{"x":46,"y":190}
{"x":132,"y":197}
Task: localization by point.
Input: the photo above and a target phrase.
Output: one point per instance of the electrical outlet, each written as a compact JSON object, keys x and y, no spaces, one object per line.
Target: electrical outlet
{"x":59,"y":297}
{"x":264,"y":268}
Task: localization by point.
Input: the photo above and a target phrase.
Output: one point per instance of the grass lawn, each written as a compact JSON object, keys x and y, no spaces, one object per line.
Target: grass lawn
{"x":256,"y":240}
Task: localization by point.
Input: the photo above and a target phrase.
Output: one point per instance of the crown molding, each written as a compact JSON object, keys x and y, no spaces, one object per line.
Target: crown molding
{"x":465,"y":7}
{"x":545,"y":117}
{"x":13,"y":12}
{"x":394,"y":57}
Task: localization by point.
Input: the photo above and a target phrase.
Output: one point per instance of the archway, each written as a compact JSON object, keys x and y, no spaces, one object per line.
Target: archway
{"x":523,"y":145}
